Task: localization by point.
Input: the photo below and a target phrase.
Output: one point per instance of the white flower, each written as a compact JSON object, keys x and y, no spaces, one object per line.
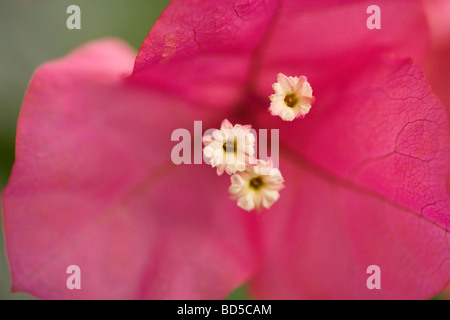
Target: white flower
{"x":231,"y":148}
{"x":292,"y":98}
{"x":257,"y":187}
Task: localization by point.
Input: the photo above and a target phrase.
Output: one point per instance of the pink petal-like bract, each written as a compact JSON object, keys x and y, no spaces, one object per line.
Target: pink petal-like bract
{"x":437,"y":62}
{"x":366,"y":172}
{"x":373,"y":194}
{"x":94,"y":186}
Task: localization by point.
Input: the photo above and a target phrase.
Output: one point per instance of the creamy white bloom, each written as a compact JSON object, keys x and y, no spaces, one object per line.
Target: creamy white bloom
{"x":258,"y":187}
{"x":231,"y":148}
{"x":292,"y":98}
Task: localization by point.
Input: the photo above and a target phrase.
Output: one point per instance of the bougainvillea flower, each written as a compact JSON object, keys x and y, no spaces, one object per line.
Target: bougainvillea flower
{"x":231,"y":148}
{"x":257,"y":187}
{"x":437,"y":63}
{"x":366,"y":172}
{"x":292,"y":98}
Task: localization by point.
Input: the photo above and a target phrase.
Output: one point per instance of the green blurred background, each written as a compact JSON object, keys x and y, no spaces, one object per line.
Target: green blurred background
{"x":32,"y":32}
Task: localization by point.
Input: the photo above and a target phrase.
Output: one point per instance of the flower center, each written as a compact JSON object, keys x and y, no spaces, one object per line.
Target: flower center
{"x":291,"y":100}
{"x":230,"y":146}
{"x":256,"y":183}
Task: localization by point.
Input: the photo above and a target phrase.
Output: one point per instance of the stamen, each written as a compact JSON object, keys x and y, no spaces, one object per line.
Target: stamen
{"x":256,"y":183}
{"x":230,"y":146}
{"x":291,"y":100}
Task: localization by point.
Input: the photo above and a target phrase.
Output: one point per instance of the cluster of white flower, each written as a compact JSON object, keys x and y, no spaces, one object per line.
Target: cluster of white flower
{"x":255,"y":184}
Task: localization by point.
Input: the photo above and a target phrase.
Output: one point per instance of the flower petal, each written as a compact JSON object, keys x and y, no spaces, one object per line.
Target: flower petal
{"x":217,"y":53}
{"x":372,"y":189}
{"x":437,"y":64}
{"x":328,"y":40}
{"x":93,"y":185}
{"x":202,"y":51}
{"x":386,"y":132}
{"x":319,"y":244}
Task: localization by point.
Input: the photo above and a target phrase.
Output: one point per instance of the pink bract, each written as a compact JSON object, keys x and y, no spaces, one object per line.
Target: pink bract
{"x":366,"y":172}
